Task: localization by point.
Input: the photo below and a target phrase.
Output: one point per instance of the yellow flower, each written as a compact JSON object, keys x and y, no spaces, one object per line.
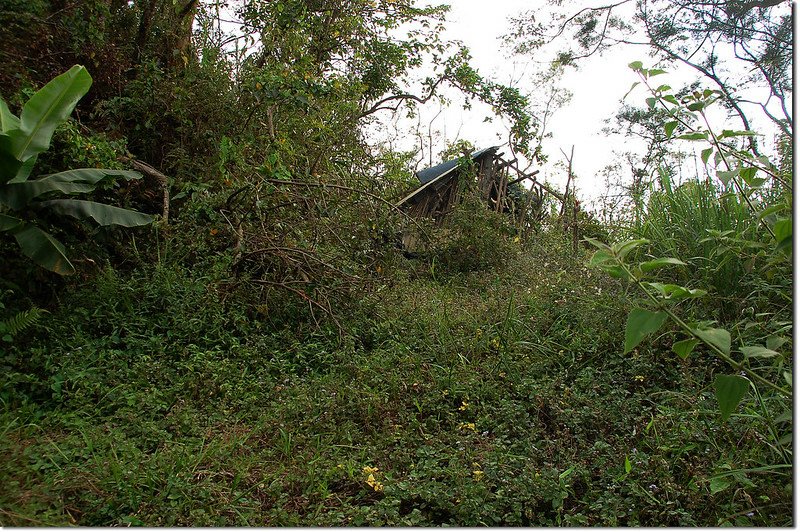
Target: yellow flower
{"x":639,"y":378}
{"x":369,"y":470}
{"x":468,"y":426}
{"x":372,"y":482}
{"x":477,"y":474}
{"x":464,"y":406}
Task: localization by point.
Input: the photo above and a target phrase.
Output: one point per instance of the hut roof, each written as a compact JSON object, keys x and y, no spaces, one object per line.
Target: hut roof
{"x":429,"y":174}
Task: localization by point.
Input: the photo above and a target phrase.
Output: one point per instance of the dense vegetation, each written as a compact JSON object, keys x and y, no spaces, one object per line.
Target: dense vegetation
{"x":206,"y":319}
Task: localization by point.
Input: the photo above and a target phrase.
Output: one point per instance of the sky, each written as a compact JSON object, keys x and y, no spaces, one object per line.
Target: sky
{"x":597,"y":88}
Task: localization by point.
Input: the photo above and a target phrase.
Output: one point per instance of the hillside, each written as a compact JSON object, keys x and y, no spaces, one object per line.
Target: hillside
{"x":210,"y":314}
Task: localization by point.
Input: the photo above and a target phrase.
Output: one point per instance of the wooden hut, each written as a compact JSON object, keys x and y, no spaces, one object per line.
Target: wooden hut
{"x":441,"y":186}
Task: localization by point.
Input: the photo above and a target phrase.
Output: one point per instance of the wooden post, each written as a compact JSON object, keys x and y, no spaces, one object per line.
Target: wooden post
{"x":566,"y":190}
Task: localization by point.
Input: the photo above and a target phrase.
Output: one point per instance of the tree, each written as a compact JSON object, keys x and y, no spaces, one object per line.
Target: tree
{"x":733,"y":44}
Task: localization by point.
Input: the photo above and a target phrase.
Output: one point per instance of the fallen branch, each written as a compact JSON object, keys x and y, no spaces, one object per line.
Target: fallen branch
{"x":163,"y":180}
{"x":357,"y":191}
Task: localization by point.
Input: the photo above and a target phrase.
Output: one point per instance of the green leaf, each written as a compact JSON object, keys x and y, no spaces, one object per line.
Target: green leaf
{"x":783,"y":234}
{"x":730,"y":389}
{"x":677,"y":292}
{"x":18,"y":195}
{"x":719,"y":338}
{"x":8,"y":120}
{"x":669,"y":127}
{"x":696,"y":106}
{"x":757,"y":351}
{"x":43,"y":249}
{"x":774,"y":209}
{"x":671,"y":99}
{"x":726,"y":133}
{"x":596,"y":243}
{"x":718,"y":484}
{"x":775,"y":342}
{"x":726,"y":175}
{"x":9,"y":223}
{"x":684,"y":348}
{"x":24,"y":170}
{"x":621,"y":249}
{"x":656,"y":72}
{"x":641,"y":323}
{"x":651,"y":102}
{"x":628,"y":466}
{"x":706,"y":154}
{"x":658,"y":263}
{"x":46,"y":110}
{"x":9,"y":165}
{"x":99,"y":212}
{"x":635,"y":83}
{"x":636,"y":65}
{"x":601,"y":256}
{"x":697,"y":135}
{"x":616,"y":271}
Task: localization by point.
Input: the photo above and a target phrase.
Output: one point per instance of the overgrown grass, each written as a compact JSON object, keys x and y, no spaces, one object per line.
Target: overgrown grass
{"x":496,"y":397}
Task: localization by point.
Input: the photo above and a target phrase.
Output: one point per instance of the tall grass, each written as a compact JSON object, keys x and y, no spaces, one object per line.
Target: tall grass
{"x":707,"y":226}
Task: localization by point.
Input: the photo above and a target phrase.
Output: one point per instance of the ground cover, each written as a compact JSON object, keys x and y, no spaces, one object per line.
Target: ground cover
{"x":487,"y":398}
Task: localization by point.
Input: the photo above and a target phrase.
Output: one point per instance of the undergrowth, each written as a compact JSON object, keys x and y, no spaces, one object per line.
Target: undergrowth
{"x":497,"y":397}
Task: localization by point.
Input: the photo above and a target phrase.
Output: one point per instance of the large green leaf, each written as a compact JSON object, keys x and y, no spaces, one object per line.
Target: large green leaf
{"x":719,"y":338}
{"x":729,"y":390}
{"x":9,"y":165}
{"x":641,"y":322}
{"x":99,"y":212}
{"x":18,"y":195}
{"x":8,"y":120}
{"x":24,"y":170}
{"x":43,"y":249}
{"x":46,"y":109}
{"x":9,"y":223}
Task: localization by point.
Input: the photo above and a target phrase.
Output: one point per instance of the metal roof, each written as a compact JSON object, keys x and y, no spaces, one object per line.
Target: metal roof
{"x":429,"y":174}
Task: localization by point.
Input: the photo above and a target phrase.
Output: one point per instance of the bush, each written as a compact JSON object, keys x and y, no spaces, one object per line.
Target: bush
{"x":473,"y":238}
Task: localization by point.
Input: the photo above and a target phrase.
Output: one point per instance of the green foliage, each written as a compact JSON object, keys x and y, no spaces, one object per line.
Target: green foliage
{"x":472,"y":239}
{"x":21,"y":141}
{"x":18,"y":323}
{"x":271,"y":357}
{"x":733,"y":237}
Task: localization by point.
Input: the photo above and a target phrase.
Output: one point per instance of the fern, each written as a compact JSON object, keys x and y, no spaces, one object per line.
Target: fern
{"x":19,"y":322}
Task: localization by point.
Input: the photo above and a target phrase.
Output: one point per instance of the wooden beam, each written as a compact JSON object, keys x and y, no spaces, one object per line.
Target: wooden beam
{"x":524,"y":177}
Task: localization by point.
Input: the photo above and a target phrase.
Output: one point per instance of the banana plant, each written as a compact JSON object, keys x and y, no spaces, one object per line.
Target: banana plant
{"x":22,"y":139}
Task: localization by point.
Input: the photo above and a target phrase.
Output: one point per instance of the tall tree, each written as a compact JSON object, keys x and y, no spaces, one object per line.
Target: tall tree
{"x":734,"y":44}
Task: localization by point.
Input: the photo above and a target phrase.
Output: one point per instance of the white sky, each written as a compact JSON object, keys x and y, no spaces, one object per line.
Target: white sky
{"x":598,"y":86}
